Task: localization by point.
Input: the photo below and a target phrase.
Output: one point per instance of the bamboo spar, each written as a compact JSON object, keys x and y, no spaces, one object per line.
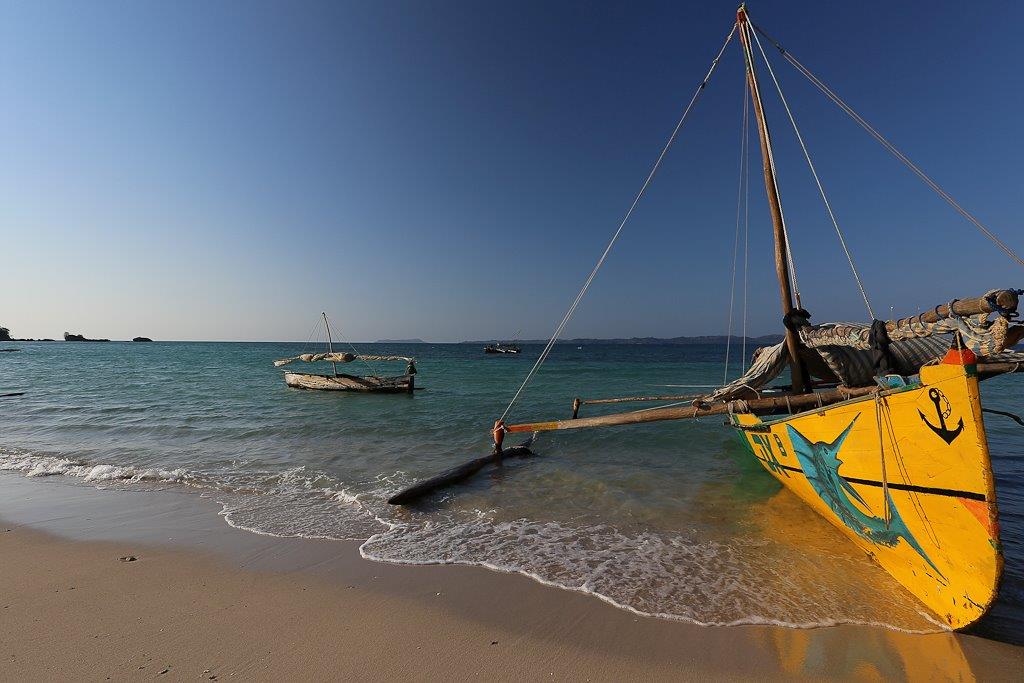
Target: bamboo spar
{"x":1005,"y":299}
{"x":785,"y":403}
{"x":771,"y":187}
{"x":761,"y":406}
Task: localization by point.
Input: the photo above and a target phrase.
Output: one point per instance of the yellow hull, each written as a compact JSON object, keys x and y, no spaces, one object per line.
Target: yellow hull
{"x":907,"y":477}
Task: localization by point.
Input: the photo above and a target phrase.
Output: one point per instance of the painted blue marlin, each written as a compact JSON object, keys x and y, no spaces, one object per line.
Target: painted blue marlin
{"x":820,"y":463}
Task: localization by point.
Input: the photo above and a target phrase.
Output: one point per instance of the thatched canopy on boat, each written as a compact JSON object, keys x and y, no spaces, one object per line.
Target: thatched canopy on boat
{"x":339,"y":358}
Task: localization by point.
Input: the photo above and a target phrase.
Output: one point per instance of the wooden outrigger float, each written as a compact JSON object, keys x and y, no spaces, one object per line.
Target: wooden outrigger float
{"x":371,"y":383}
{"x":880,"y":430}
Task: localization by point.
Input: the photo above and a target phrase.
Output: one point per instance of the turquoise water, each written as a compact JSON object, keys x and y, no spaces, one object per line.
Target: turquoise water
{"x":672,"y":519}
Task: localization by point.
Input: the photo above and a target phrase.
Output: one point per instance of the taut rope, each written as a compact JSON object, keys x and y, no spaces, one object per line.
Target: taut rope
{"x":814,"y":172}
{"x":600,"y":262}
{"x":890,"y":147}
{"x":746,"y":254}
{"x":736,"y":242}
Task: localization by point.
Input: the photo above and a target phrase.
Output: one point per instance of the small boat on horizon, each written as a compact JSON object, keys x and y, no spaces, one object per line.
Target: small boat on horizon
{"x":498,"y":347}
{"x":369,"y":383}
{"x":505,"y":347}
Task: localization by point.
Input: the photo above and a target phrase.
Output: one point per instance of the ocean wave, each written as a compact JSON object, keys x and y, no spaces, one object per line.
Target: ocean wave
{"x":730,"y":582}
{"x":32,"y":465}
{"x":295,"y":502}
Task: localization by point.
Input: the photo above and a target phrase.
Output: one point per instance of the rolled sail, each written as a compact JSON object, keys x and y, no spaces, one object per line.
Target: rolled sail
{"x":847,"y":352}
{"x":339,"y":358}
{"x":969,"y":317}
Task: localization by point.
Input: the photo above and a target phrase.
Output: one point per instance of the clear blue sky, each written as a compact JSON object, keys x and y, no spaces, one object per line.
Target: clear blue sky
{"x":451,"y":170}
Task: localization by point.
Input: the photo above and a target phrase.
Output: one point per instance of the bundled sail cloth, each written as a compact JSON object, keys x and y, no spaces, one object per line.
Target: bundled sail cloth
{"x":969,"y":318}
{"x":338,"y":358}
{"x":768,"y":363}
{"x":854,"y":353}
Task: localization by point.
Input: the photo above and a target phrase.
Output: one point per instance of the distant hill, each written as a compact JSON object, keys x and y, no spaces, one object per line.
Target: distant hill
{"x":653,"y":341}
{"x":400,"y":341}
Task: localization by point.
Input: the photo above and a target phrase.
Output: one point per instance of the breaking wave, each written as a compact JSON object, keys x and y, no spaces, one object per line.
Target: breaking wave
{"x":679,"y":576}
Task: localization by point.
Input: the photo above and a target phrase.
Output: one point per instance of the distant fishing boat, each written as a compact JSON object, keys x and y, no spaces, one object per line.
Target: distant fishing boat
{"x":502,"y":348}
{"x":505,"y":347}
{"x":369,"y":383}
{"x":880,"y":429}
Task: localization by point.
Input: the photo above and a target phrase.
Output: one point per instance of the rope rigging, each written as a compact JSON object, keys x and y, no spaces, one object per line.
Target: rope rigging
{"x":600,"y":262}
{"x":736,"y":243}
{"x":889,"y":146}
{"x":748,"y":57}
{"x":373,"y":369}
{"x":746,"y":250}
{"x":312,"y":331}
{"x":323,"y":321}
{"x":817,"y":180}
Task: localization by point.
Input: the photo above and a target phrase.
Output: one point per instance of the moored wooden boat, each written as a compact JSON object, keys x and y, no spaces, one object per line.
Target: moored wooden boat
{"x":336,"y":381}
{"x":502,"y":348}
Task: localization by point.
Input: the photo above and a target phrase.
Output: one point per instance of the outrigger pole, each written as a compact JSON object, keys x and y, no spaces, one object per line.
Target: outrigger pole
{"x":797,"y":370}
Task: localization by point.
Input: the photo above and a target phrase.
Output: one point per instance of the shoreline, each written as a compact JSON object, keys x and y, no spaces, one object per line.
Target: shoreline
{"x":203,"y":595}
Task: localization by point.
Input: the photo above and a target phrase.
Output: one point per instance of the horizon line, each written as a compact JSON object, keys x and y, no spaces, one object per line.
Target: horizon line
{"x":47,"y":340}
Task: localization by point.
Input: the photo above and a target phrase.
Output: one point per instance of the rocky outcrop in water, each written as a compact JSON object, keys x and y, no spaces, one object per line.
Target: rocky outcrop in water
{"x":81,"y":338}
{"x":142,"y":339}
{"x":5,"y":335}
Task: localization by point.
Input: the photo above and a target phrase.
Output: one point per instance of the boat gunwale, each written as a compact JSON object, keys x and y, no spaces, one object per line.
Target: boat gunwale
{"x":779,"y":417}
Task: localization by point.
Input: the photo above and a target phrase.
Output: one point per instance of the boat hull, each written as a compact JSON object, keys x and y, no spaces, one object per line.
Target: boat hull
{"x":401,"y":384}
{"x":907,"y":478}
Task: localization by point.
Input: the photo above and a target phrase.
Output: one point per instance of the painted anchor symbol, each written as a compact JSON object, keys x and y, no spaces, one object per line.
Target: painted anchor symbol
{"x":944,"y":433}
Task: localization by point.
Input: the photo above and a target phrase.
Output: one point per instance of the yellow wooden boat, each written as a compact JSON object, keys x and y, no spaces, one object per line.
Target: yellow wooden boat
{"x":905,"y":474}
{"x":880,"y":429}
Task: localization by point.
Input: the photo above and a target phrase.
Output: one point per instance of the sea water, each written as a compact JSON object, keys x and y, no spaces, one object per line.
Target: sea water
{"x":673,"y":519}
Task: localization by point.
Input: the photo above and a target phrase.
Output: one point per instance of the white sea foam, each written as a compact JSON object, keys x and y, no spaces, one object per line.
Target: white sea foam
{"x":677,"y":576}
{"x":33,"y":465}
{"x":662,"y":575}
{"x":325,"y":514}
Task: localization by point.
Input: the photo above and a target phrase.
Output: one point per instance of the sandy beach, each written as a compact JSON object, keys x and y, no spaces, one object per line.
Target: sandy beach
{"x":202,"y":600}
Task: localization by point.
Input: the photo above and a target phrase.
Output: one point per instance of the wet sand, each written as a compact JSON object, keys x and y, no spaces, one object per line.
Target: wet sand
{"x":205,"y":601}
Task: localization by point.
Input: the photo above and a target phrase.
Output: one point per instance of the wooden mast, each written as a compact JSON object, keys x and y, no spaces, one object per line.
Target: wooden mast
{"x":330,"y":342}
{"x":800,"y":384}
